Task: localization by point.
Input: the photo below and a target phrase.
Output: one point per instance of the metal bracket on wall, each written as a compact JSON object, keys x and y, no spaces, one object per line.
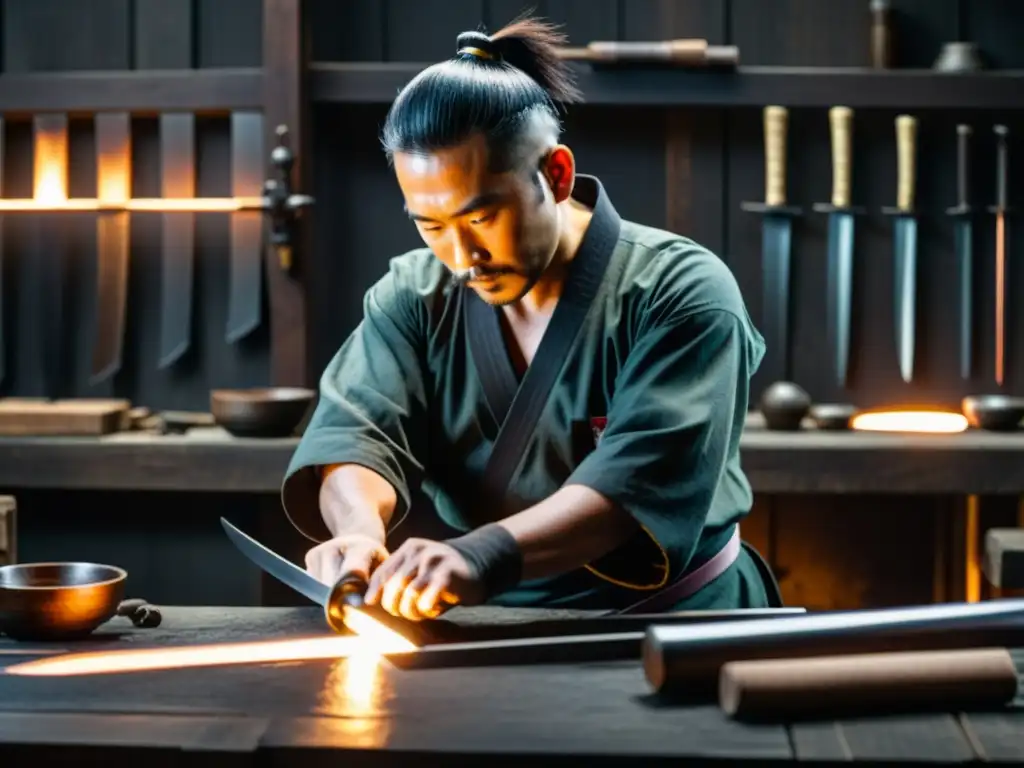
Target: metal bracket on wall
{"x":282,"y":205}
{"x":8,"y":530}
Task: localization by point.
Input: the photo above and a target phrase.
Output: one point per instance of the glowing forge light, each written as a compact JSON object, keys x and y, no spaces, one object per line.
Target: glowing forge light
{"x":915,"y":420}
{"x":264,"y":651}
{"x":50,"y":161}
{"x":50,"y":182}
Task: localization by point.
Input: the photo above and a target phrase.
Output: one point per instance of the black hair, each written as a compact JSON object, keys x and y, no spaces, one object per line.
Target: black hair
{"x":505,"y":86}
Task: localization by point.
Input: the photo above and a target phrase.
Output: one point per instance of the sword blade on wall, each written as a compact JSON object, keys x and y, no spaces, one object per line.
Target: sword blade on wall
{"x":245,"y":297}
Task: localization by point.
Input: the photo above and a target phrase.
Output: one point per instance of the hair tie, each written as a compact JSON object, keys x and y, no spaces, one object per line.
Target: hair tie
{"x":479,"y":53}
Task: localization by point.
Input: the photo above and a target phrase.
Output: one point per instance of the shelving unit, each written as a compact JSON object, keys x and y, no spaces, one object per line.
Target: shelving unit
{"x":378,"y":83}
{"x":195,"y":90}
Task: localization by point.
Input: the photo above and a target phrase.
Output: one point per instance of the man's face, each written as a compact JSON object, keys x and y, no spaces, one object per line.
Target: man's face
{"x":505,"y":225}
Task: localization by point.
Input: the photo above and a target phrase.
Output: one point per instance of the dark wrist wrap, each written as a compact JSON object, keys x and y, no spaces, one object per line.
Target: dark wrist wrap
{"x":493,"y":556}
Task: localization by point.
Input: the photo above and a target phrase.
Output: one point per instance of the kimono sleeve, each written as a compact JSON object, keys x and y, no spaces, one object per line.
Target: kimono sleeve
{"x":371,"y":409}
{"x":673,"y":425}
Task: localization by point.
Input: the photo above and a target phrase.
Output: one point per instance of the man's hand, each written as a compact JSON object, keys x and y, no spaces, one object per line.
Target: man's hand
{"x":421,"y":578}
{"x":353,"y":553}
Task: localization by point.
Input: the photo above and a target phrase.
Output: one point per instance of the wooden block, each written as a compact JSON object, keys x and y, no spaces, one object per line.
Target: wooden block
{"x":1004,"y":557}
{"x":19,"y":417}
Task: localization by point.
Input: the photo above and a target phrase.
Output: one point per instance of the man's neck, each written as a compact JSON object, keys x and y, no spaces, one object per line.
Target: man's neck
{"x":541,"y":300}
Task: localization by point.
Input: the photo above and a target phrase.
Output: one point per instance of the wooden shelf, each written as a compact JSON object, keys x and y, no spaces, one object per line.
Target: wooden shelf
{"x":377,"y":83}
{"x":208,"y":460}
{"x":140,"y":92}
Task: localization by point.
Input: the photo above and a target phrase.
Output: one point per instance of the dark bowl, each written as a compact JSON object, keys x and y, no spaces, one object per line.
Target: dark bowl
{"x":58,"y":601}
{"x":998,"y":413}
{"x":784,"y":406}
{"x":833,"y":416}
{"x":263,"y":412}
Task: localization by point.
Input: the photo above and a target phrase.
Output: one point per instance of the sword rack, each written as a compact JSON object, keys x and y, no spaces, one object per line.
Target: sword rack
{"x":262,"y":209}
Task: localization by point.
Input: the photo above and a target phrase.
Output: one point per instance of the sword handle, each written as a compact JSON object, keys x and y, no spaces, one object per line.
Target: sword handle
{"x":1001,"y":132}
{"x":963,"y":137}
{"x":775,"y":123}
{"x":906,"y":147}
{"x":841,"y":122}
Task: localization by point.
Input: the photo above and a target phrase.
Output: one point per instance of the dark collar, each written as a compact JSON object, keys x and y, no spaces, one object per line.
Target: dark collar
{"x":591,"y":261}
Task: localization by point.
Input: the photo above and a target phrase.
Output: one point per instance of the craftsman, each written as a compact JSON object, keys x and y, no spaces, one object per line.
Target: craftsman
{"x":558,"y":392}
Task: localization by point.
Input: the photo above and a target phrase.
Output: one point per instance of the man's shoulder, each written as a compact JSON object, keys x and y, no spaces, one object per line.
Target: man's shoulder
{"x":664,"y":268}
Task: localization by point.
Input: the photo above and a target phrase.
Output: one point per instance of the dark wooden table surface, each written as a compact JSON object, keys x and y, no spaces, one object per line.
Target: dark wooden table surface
{"x":809,"y":461}
{"x":327,"y":712}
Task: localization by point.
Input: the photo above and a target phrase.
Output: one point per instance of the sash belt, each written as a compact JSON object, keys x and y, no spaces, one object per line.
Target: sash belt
{"x":692,"y":582}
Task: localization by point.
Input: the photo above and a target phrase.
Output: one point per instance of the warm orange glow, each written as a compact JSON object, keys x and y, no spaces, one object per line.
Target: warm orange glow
{"x":146,"y":659}
{"x":113,"y":160}
{"x":50,"y":159}
{"x":138,"y":204}
{"x":377,"y":634}
{"x":920,"y":421}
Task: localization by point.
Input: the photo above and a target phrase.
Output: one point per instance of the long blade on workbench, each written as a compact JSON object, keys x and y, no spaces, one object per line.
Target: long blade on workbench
{"x":245,"y":299}
{"x":50,"y":185}
{"x":113,"y":184}
{"x":270,"y":562}
{"x":177,"y":238}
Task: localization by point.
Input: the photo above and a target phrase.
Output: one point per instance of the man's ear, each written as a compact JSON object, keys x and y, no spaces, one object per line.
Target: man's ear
{"x":559,"y":168}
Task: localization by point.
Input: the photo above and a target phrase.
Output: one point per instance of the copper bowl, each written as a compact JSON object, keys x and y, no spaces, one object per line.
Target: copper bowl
{"x":262,"y":412}
{"x":58,"y":601}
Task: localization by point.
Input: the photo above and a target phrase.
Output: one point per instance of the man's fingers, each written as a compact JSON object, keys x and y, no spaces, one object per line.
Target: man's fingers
{"x":396,"y":584}
{"x":429,"y":600}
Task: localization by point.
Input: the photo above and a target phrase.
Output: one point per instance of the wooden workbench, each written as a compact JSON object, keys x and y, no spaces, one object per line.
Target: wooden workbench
{"x":809,"y":461}
{"x":311,"y":713}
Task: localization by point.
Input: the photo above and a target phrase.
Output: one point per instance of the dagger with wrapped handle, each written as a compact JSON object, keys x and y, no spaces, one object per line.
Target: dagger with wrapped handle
{"x":776,"y":238}
{"x":840,"y":240}
{"x":905,"y":244}
{"x":963,"y":237}
{"x":1000,"y":210}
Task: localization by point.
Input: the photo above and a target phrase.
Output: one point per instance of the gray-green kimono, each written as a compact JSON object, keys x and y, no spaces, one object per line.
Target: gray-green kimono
{"x":647,"y":408}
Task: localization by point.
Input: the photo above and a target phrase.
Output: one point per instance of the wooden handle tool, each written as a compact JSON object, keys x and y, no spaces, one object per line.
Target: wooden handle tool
{"x":906,"y":150}
{"x":874,"y":683}
{"x":776,"y":121}
{"x":841,"y":124}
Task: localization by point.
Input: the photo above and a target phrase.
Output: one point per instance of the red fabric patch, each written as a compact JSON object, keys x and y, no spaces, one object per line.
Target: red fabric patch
{"x":597,"y":424}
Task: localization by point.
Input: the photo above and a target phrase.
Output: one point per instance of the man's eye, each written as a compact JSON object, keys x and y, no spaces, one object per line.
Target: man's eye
{"x":483,"y":219}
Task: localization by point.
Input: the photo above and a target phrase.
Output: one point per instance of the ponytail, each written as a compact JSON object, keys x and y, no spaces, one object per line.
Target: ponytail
{"x":500,"y":85}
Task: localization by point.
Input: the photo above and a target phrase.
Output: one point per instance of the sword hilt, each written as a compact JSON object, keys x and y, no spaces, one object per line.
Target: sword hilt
{"x":1001,"y":132}
{"x":841,"y":124}
{"x":963,"y":138}
{"x":906,"y":150}
{"x":348,"y":591}
{"x":775,"y":127}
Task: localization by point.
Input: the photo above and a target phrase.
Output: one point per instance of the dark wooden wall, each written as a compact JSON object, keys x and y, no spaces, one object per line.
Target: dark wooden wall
{"x":684,"y":169}
{"x":64,"y":35}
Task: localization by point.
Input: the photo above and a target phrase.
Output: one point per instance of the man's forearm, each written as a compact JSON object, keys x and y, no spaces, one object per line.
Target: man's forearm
{"x":569,"y":529}
{"x":356,"y":500}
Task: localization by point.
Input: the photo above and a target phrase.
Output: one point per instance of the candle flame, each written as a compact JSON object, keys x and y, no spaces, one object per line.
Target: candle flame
{"x":921,"y":421}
